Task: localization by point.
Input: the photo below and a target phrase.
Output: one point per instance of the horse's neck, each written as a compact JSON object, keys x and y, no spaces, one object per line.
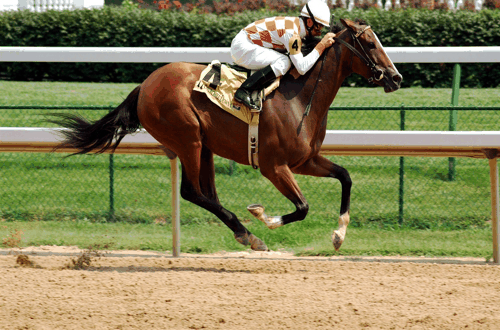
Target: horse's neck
{"x":298,"y":91}
{"x":331,"y":76}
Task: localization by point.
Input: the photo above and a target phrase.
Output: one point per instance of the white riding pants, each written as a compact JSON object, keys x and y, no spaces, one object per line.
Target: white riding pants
{"x":254,"y":57}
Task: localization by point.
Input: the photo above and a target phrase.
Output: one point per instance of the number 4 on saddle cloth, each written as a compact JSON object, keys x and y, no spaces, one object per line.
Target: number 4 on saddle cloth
{"x":219,"y":82}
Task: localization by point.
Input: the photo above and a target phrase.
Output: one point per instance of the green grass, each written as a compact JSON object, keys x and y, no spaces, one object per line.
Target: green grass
{"x":62,"y":93}
{"x":99,"y":94}
{"x":75,"y":191}
{"x":67,"y":93}
{"x":50,"y":187}
{"x":306,"y":238}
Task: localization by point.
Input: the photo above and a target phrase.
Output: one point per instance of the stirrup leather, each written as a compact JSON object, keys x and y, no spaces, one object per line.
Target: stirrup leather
{"x":253,"y":139}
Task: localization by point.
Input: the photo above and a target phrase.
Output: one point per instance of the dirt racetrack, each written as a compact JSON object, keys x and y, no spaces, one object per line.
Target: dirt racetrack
{"x":248,"y":291}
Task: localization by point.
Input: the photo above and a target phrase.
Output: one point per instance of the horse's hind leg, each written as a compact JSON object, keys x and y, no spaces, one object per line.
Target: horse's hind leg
{"x":198,"y":187}
{"x":321,"y":167}
{"x":177,"y":127}
{"x":207,"y":175}
{"x":282,"y":178}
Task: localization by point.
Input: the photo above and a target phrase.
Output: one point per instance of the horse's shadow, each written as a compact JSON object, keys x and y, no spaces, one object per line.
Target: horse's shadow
{"x":151,"y":269}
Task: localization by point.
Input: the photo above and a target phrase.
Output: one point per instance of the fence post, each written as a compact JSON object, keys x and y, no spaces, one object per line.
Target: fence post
{"x":232,"y":165}
{"x":454,"y":116}
{"x":111,"y":187}
{"x":401,"y":172}
{"x":176,"y":213}
{"x":111,"y":215}
{"x":495,"y":212}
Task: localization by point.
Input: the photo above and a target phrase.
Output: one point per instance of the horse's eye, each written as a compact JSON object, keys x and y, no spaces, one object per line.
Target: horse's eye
{"x":371,"y":45}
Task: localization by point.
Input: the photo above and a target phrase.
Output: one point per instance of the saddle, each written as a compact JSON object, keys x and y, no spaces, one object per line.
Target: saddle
{"x":219,"y":82}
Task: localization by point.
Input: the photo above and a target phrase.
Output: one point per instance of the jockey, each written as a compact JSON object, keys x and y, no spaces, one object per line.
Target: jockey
{"x":257,"y":46}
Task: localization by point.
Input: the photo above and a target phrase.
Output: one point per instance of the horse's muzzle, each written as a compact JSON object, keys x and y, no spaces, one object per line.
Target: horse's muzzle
{"x":392,"y":80}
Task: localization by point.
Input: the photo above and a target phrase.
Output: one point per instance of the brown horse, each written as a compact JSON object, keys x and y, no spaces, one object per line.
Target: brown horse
{"x":193,"y":128}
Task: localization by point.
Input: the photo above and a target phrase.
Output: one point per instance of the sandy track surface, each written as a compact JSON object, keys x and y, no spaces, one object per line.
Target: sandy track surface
{"x":140,"y":290}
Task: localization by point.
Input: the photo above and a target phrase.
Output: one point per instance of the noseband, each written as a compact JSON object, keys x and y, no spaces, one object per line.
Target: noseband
{"x":377,"y":73}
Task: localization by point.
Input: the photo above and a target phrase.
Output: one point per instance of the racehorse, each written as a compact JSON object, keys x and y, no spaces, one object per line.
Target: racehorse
{"x":192,"y":128}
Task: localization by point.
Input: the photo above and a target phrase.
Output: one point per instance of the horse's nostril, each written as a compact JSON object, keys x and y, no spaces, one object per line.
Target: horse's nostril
{"x":397,"y":78}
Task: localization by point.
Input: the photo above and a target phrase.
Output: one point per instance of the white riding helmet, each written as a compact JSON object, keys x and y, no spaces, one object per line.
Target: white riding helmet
{"x":320,"y":11}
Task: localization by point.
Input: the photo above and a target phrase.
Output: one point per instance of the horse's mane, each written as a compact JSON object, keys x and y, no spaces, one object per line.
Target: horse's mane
{"x":337,"y":28}
{"x":310,"y":43}
{"x":361,"y":21}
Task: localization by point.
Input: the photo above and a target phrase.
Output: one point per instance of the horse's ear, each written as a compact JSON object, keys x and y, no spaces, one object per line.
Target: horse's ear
{"x":348,"y":24}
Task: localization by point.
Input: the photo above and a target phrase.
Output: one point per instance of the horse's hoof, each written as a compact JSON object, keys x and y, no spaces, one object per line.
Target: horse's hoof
{"x":257,"y":244}
{"x":257,"y":211}
{"x":337,"y":240}
{"x":242,"y":238}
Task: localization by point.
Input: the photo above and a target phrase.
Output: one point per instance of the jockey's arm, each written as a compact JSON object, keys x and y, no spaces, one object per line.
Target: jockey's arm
{"x":304,"y":63}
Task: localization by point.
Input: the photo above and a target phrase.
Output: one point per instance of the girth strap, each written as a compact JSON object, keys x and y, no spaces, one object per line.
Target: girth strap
{"x":253,"y":126}
{"x":253,"y":136}
{"x":253,"y":140}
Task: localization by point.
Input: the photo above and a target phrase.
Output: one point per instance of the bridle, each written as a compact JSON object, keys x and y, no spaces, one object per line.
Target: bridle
{"x":377,"y":73}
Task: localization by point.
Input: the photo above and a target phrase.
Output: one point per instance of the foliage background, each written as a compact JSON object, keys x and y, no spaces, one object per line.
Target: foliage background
{"x":128,"y":26}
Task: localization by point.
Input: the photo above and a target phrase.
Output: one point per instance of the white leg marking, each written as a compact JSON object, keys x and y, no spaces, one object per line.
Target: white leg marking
{"x":339,"y":234}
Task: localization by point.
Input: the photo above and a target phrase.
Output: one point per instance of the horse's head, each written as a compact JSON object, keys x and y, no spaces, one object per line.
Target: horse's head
{"x":368,"y":56}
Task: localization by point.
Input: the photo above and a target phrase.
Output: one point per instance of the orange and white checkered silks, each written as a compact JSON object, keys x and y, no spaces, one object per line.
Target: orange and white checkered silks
{"x":273,"y":32}
{"x":255,"y":46}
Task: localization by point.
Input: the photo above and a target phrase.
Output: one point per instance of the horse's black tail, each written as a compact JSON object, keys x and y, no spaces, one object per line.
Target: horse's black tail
{"x":103,"y":134}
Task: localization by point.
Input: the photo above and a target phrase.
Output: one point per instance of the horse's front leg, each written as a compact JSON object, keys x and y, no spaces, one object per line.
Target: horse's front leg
{"x":321,"y":167}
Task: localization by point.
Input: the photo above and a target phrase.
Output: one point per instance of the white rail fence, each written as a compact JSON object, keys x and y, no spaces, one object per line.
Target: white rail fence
{"x":477,"y":54}
{"x":483,"y":144}
{"x":44,"y":5}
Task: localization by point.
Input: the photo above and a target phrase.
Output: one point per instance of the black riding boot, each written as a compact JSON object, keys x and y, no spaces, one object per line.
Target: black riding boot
{"x":257,"y":81}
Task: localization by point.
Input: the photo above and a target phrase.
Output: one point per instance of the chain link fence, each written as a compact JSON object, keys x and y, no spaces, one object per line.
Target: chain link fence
{"x":417,"y":192}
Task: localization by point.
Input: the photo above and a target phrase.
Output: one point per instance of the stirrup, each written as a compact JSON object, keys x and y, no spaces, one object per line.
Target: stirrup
{"x":247,"y":100}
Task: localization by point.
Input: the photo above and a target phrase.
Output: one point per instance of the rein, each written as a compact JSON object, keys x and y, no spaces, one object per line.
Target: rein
{"x":308,"y":107}
{"x":377,"y":74}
